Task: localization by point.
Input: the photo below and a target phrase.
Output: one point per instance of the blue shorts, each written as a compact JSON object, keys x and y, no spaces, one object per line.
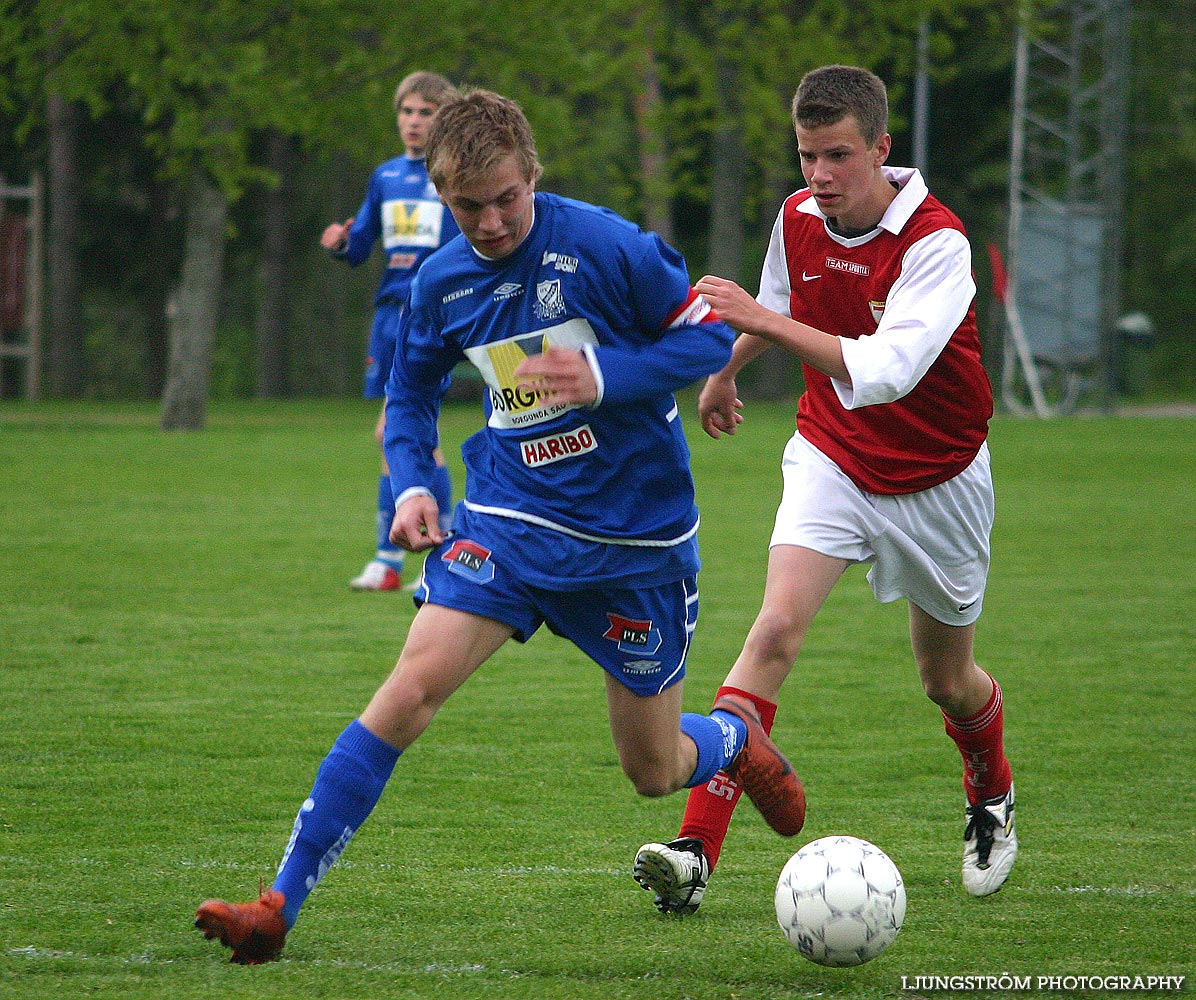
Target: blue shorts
{"x":384,"y":335}
{"x":640,"y":637}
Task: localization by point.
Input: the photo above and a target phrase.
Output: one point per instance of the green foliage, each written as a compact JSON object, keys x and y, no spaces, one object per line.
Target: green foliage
{"x":1161,"y":195}
{"x":169,"y":85}
{"x":173,"y":671}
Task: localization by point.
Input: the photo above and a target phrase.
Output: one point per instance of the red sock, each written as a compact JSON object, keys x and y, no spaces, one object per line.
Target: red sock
{"x":709,"y":807}
{"x":981,"y":742}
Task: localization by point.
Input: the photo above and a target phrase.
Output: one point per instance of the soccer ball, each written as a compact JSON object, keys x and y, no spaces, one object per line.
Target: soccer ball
{"x":840,"y":901}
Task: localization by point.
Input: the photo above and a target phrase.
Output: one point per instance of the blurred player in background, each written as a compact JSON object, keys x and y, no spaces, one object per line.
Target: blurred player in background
{"x":579,"y":510}
{"x":401,"y":208}
{"x":868,"y":280}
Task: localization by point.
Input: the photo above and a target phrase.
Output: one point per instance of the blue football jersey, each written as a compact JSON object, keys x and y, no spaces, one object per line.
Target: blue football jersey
{"x":579,"y":496}
{"x":402,"y":209}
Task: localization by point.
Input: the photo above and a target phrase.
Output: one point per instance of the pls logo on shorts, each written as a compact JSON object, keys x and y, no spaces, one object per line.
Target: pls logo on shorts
{"x":470,"y":560}
{"x":632,"y":636}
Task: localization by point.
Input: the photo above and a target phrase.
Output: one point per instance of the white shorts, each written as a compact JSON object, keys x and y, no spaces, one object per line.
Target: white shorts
{"x":931,"y":547}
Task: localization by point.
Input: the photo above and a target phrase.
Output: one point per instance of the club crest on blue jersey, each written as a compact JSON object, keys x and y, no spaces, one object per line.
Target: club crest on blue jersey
{"x":550,"y":301}
{"x":470,"y":560}
{"x":633,"y":636}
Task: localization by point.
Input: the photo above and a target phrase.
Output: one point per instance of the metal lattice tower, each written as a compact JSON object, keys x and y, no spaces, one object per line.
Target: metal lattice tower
{"x":1066,"y":211}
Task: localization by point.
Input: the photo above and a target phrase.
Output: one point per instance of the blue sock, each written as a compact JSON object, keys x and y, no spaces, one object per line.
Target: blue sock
{"x":442,"y":493}
{"x":348,"y":786}
{"x":388,"y":552}
{"x":719,"y":736}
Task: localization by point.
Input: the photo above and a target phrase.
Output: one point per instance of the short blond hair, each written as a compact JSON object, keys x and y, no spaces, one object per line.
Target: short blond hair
{"x":432,"y":87}
{"x":472,"y":133}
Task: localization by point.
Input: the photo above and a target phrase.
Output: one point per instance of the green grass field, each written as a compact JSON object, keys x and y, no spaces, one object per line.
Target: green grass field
{"x":178,"y":649}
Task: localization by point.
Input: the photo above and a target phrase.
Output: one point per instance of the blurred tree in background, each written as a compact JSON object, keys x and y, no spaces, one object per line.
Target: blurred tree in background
{"x":1160,"y":275}
{"x":193,"y":152}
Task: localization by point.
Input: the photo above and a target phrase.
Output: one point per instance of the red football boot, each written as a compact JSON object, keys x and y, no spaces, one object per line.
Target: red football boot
{"x":255,"y":931}
{"x":764,"y":774}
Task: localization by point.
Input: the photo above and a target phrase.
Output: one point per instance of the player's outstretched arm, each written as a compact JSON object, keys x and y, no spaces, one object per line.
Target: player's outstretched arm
{"x":816,"y":348}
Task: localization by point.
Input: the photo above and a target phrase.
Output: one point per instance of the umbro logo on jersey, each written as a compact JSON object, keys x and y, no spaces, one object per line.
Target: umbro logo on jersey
{"x":507,"y":290}
{"x":640,"y":667}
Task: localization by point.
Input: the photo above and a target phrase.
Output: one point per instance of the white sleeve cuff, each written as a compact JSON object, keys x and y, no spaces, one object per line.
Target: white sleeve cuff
{"x":414,"y":491}
{"x":592,"y":360}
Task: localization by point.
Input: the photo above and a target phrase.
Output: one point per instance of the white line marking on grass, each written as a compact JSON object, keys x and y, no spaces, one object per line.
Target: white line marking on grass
{"x":1126,"y":890}
{"x":222,"y":865}
{"x":548,"y":870}
{"x":33,"y":951}
{"x":432,"y":969}
{"x":345,"y":864}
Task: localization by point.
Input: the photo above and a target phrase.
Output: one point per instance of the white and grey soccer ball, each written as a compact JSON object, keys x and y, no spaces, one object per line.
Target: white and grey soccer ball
{"x":840,"y":901}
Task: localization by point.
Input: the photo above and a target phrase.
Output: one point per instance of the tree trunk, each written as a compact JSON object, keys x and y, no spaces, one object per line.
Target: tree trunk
{"x":66,"y":341}
{"x":273,"y":316}
{"x":653,"y":145}
{"x":155,"y":294}
{"x":196,"y":308}
{"x":341,"y":342}
{"x":776,"y":374}
{"x":728,"y":180}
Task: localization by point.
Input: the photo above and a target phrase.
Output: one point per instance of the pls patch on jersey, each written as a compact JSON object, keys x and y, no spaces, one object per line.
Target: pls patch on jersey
{"x":633,"y":636}
{"x":470,"y":560}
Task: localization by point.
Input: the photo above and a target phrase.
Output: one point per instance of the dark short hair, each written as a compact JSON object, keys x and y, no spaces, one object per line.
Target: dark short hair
{"x":829,"y":94}
{"x":471,"y":133}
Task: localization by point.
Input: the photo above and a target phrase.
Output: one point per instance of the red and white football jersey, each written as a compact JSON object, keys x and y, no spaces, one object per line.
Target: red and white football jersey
{"x":902,"y":300}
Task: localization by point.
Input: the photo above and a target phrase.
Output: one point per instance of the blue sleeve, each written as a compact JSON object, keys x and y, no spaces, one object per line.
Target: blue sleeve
{"x":682,"y":357}
{"x":419,"y":378}
{"x":686,"y":342}
{"x":367,"y":225}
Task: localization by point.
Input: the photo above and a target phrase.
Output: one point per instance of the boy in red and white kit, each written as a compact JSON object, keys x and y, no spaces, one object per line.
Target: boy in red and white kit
{"x":868,"y":280}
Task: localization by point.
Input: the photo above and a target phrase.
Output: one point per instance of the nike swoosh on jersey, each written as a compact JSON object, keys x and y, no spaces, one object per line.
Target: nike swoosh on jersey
{"x":809,"y":277}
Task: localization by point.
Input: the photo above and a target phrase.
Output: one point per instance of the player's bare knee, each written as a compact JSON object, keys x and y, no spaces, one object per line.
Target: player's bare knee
{"x":652,"y":781}
{"x":946,"y":692}
{"x":400,"y":711}
{"x":775,"y":636}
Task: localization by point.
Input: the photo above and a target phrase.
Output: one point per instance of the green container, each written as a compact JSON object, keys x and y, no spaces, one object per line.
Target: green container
{"x":1136,"y":348}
